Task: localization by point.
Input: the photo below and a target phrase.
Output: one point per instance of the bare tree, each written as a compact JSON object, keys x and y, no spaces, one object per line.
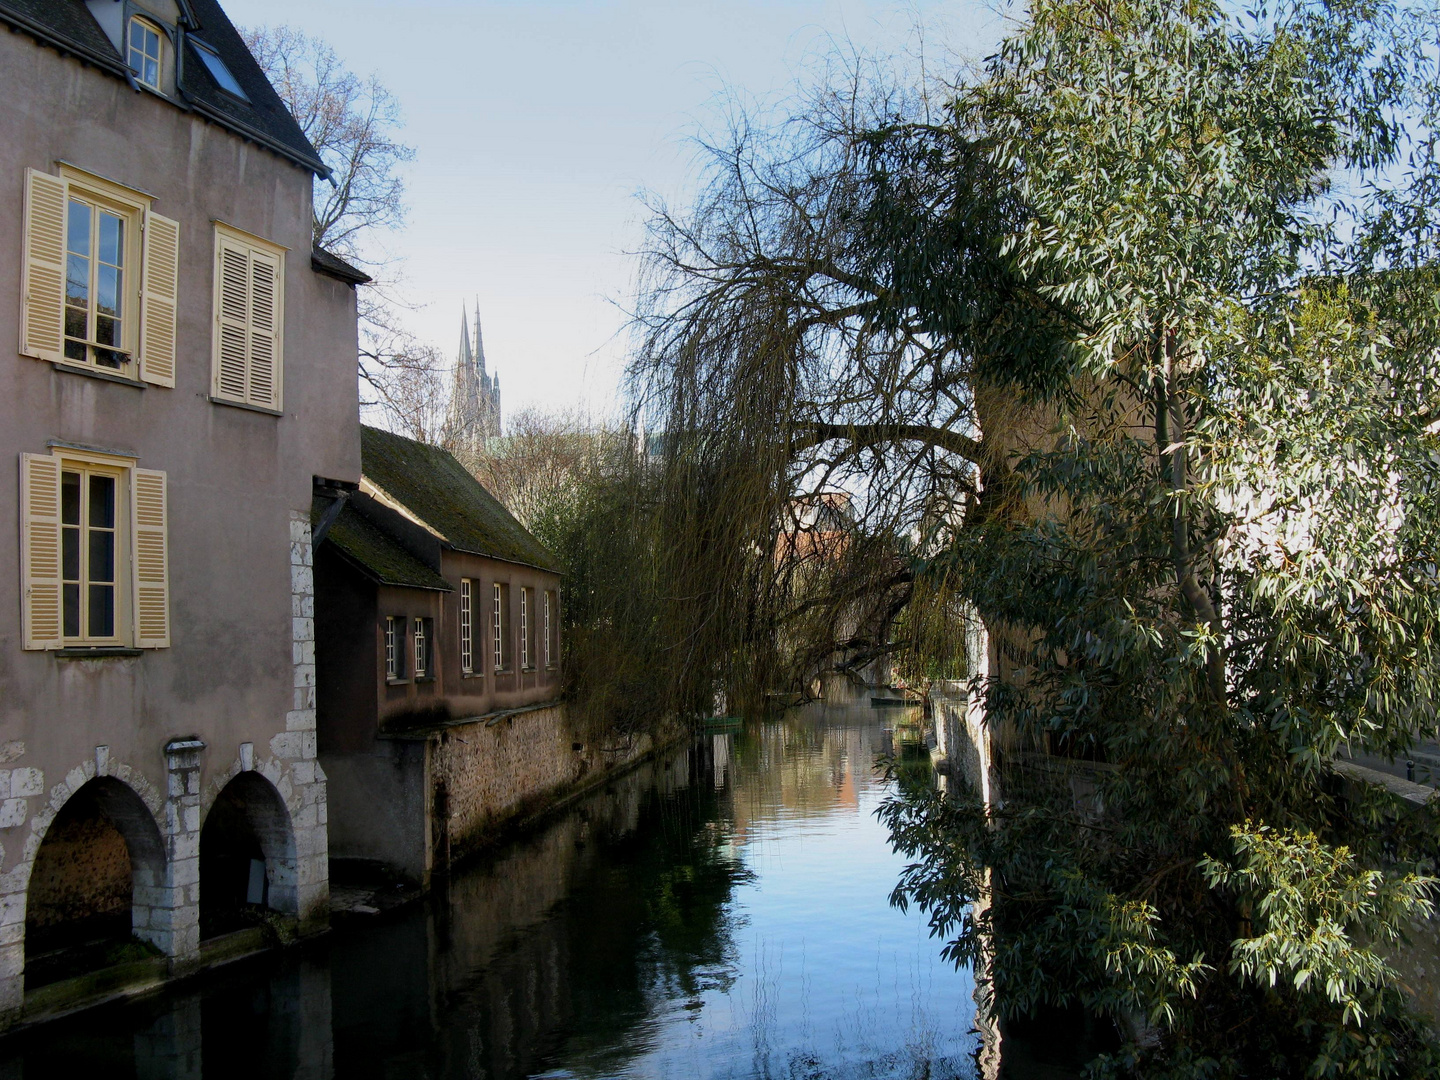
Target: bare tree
{"x":352,"y":123}
{"x":539,"y":463}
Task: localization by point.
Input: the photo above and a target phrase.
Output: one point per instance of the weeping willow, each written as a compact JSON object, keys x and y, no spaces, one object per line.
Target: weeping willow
{"x":1126,"y":344}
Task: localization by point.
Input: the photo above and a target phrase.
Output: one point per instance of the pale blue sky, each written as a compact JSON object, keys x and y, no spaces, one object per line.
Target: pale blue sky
{"x":535,"y":123}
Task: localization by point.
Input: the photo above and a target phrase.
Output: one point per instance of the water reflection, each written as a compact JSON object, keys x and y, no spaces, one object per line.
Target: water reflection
{"x":722,"y":913}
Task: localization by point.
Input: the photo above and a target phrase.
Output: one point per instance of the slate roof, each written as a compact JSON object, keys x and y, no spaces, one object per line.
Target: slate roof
{"x":377,"y":555}
{"x":67,"y":25}
{"x":327,"y":262}
{"x":435,"y":487}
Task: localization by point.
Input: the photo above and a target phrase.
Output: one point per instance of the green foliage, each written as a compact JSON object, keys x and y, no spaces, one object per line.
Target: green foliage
{"x":1313,"y":910}
{"x":1175,"y":262}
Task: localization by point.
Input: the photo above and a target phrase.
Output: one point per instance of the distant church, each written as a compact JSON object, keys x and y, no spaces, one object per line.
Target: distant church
{"x":475,"y":399}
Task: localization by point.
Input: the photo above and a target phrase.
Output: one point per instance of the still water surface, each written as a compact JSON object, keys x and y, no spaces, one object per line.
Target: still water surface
{"x":721,"y":913}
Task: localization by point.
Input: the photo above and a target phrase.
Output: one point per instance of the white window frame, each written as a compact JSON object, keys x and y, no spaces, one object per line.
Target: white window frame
{"x":424,"y":649}
{"x":549,"y":614}
{"x":501,"y":619}
{"x":395,"y":648}
{"x":525,"y":629}
{"x":467,"y":627}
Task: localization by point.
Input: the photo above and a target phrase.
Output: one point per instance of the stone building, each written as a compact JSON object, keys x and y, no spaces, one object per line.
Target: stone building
{"x":184,"y":368}
{"x":438,"y":653}
{"x":474,"y":416}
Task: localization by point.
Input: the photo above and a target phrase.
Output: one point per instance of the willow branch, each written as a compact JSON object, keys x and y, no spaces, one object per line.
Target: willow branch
{"x":809,"y":435}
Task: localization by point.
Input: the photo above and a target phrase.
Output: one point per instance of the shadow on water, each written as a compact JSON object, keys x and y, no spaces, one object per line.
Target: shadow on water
{"x":720,"y":913}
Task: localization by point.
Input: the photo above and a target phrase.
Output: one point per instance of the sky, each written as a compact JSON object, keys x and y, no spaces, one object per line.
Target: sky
{"x":536,"y":123}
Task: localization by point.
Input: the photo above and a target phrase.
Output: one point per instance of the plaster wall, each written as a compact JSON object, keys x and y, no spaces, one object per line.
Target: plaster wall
{"x":379,"y":807}
{"x":239,"y":676}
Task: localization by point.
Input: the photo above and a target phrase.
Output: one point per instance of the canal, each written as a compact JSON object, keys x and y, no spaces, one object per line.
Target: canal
{"x":720,"y":912}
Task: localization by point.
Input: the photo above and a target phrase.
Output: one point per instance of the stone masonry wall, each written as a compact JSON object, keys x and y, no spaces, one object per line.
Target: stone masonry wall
{"x":497,"y":770}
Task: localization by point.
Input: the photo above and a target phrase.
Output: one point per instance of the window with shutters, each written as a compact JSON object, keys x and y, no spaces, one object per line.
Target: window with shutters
{"x":249,"y":320}
{"x":99,"y":278}
{"x":94,"y":559}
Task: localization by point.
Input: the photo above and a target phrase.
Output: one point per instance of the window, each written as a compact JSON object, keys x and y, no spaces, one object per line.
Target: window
{"x":95,"y":268}
{"x":249,"y":320}
{"x":145,"y":53}
{"x":94,"y":559}
{"x":551,"y":628}
{"x":501,"y":625}
{"x":100,"y":277}
{"x":88,"y":544}
{"x":524,"y":630}
{"x":467,"y":619}
{"x":424,"y":636}
{"x":394,"y":647}
{"x":218,"y":71}
{"x":527,"y":630}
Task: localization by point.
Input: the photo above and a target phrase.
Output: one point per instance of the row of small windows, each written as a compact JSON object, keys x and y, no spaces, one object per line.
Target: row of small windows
{"x":101,"y":284}
{"x":539,"y":631}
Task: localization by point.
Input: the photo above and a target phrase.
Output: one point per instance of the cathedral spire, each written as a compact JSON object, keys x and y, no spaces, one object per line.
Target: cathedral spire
{"x":474,"y":416}
{"x":479,"y":341}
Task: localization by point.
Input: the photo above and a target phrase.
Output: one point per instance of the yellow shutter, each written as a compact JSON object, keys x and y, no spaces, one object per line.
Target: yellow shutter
{"x":159,"y":290}
{"x":265,"y":304}
{"x":40,"y":552}
{"x":232,"y":319}
{"x":151,"y":561}
{"x":42,"y":307}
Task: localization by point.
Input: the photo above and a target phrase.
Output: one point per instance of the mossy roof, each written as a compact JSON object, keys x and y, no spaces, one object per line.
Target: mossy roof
{"x":437,"y":489}
{"x":382,"y":558}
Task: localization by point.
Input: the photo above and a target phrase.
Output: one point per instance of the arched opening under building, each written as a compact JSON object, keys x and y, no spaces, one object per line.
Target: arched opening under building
{"x":247,"y":857}
{"x":95,"y":875}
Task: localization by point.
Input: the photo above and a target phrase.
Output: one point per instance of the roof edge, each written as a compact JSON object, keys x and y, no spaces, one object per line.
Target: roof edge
{"x":370,"y":575}
{"x":326,"y":262}
{"x":112,"y":64}
{"x":501,"y":558}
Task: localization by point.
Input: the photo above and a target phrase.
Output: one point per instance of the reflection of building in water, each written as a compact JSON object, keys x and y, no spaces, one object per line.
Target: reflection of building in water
{"x":720,"y":745}
{"x":804,"y":767}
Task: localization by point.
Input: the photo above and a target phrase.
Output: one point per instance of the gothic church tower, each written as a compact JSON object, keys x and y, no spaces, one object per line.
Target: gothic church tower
{"x":475,"y":398}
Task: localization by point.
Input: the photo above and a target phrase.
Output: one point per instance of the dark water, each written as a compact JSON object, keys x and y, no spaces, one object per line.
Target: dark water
{"x":721,"y":913}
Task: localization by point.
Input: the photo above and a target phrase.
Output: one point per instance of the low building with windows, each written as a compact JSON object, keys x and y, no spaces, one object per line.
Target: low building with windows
{"x":438,"y":660}
{"x":181,"y":368}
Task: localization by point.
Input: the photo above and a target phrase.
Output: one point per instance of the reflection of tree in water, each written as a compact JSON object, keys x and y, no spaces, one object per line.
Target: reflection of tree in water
{"x":566,"y":947}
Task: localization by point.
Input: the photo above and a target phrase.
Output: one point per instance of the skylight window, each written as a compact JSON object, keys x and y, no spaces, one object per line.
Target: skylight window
{"x":217,"y":68}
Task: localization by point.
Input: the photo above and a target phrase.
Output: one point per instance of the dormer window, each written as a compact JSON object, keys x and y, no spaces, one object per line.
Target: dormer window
{"x":145,"y":53}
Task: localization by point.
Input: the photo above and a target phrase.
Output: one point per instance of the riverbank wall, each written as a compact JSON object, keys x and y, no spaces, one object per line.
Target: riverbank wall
{"x":423,"y":799}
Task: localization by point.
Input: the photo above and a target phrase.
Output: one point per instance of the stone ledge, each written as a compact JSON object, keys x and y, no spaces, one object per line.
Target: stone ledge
{"x":1405,"y":790}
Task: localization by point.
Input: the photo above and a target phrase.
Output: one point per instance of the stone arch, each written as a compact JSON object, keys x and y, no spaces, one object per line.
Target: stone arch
{"x":96,"y":853}
{"x":247,"y":820}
